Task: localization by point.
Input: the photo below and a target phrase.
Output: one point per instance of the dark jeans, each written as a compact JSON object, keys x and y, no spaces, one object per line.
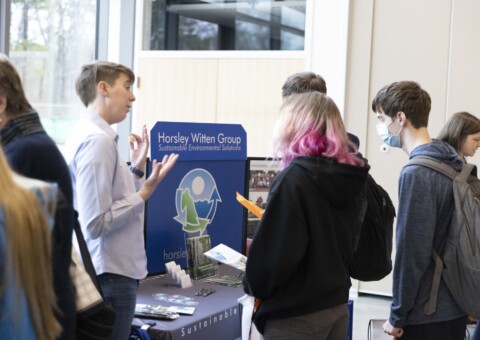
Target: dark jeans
{"x":448,"y":330}
{"x":120,"y":292}
{"x":328,"y":324}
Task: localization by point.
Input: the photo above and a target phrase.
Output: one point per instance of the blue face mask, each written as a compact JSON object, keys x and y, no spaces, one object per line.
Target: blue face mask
{"x":393,"y":140}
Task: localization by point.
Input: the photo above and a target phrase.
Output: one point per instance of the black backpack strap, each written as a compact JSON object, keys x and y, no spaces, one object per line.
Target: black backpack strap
{"x":86,"y":258}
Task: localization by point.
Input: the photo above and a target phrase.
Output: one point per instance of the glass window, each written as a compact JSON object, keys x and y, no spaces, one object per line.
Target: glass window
{"x":196,"y":34}
{"x":49,"y":41}
{"x":224,"y":25}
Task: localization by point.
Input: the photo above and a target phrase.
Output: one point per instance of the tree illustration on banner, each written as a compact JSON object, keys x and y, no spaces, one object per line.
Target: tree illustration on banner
{"x":196,"y":201}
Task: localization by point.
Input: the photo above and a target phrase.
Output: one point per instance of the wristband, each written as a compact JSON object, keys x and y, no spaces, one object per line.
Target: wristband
{"x":136,"y":171}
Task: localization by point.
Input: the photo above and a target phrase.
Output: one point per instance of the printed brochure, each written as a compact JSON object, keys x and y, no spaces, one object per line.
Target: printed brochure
{"x":227,"y":255}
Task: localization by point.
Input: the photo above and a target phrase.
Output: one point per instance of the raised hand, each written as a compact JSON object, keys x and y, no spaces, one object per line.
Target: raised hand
{"x":139,"y":148}
{"x":159,"y":171}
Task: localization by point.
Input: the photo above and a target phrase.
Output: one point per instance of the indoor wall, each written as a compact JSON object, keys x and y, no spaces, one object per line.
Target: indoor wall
{"x":434,"y":42}
{"x":215,"y":90}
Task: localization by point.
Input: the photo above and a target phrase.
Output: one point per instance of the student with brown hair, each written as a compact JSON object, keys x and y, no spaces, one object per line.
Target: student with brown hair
{"x":32,"y":153}
{"x":27,"y":297}
{"x":462,"y":131}
{"x":425,"y":208}
{"x":302,"y":82}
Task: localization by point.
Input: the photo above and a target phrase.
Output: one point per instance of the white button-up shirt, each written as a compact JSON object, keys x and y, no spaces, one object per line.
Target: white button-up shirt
{"x":105,"y":196}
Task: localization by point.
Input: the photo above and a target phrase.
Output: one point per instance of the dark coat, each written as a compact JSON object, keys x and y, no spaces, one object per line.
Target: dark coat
{"x":297,"y":263}
{"x":32,"y":153}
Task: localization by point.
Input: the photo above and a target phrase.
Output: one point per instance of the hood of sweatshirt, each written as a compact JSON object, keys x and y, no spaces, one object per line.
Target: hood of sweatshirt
{"x":439,"y":150}
{"x":339,"y":182}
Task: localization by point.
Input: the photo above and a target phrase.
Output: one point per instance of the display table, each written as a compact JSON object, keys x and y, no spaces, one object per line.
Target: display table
{"x":217,"y":316}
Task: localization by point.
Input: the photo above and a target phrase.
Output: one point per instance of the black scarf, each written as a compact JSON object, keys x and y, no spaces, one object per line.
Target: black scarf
{"x":20,"y":126}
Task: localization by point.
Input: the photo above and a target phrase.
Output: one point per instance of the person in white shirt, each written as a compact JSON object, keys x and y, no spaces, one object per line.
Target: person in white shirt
{"x":108,"y":195}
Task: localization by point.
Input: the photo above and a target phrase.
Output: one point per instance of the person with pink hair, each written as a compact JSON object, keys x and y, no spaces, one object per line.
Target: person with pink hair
{"x":297,"y":261}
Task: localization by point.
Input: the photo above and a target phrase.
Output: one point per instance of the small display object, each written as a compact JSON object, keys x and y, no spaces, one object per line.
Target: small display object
{"x":227,"y":255}
{"x":179,"y":276}
{"x":260,"y":172}
{"x":199,"y":265}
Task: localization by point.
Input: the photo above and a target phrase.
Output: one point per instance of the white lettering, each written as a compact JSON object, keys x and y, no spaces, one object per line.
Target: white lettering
{"x":175,"y":139}
{"x":222,"y":139}
{"x":174,"y":255}
{"x":231,"y":147}
{"x":203,"y":138}
{"x":208,"y":322}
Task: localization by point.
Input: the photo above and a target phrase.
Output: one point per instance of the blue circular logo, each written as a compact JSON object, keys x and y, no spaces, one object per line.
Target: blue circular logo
{"x":196,"y":201}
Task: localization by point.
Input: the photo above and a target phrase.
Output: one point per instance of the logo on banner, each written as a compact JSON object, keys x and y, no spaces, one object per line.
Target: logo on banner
{"x":196,"y":201}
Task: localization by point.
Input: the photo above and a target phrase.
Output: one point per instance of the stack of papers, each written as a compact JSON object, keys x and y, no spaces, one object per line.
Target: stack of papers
{"x":162,"y":312}
{"x":225,"y":280}
{"x":227,"y":255}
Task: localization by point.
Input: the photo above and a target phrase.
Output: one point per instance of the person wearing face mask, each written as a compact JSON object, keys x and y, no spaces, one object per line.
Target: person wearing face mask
{"x":425,"y":208}
{"x":388,"y":138}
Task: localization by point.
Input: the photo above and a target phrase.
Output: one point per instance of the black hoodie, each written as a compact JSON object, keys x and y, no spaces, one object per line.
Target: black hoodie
{"x":297,"y":260}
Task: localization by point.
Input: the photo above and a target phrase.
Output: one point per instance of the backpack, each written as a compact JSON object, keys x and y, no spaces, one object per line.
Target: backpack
{"x":459,"y":263}
{"x":372,"y":257}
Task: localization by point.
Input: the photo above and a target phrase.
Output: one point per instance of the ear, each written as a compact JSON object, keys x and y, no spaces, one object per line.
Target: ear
{"x":102,"y":88}
{"x":402,"y":117}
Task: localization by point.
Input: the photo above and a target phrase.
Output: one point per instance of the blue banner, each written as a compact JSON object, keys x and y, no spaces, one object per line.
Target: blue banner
{"x":198,"y":196}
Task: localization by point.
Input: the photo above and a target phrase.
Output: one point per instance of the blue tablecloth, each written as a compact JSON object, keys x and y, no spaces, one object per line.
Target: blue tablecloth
{"x":217,"y":316}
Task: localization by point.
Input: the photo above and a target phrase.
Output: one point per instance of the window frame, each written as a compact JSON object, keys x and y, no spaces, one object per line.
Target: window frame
{"x":4,"y":26}
{"x":214,"y":54}
{"x":326,"y":29}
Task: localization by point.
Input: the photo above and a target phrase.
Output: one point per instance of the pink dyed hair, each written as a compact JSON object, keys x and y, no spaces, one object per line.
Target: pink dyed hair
{"x":309,"y":125}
